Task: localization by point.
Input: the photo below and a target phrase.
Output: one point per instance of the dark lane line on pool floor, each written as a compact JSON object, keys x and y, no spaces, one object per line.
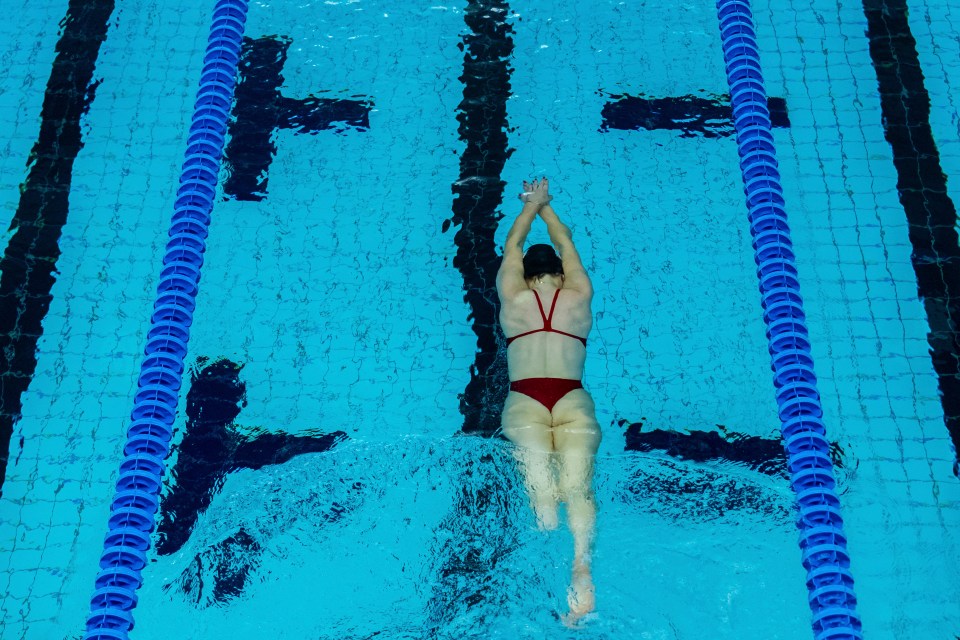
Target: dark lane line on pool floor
{"x":478,"y":534}
{"x":482,"y":114}
{"x":30,"y":259}
{"x":922,"y":188}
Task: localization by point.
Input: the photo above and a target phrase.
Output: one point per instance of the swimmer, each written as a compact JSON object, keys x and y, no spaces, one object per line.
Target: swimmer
{"x":549,"y":416}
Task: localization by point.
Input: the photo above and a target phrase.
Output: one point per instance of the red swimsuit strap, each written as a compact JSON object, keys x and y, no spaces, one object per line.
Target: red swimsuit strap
{"x":547,"y":319}
{"x":547,"y":326}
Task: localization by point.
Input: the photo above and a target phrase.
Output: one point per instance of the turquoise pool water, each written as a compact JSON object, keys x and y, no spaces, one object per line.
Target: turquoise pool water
{"x":335,"y":299}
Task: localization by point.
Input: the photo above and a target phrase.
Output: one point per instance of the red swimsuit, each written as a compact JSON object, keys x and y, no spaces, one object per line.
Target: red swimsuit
{"x":546,"y":391}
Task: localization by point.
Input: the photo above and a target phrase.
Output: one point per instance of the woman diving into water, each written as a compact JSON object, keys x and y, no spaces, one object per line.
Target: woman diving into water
{"x":548,"y":414}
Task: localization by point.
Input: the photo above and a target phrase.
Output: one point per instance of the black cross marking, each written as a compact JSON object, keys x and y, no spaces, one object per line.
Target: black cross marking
{"x":261,"y":109}
{"x":690,"y":115}
{"x":214,"y":445}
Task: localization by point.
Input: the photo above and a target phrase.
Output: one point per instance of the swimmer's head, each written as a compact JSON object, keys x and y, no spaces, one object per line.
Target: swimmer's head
{"x":541,"y":259}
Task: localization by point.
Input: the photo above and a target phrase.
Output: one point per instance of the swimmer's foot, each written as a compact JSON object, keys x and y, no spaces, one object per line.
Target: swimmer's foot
{"x":536,"y":192}
{"x":581,"y":596}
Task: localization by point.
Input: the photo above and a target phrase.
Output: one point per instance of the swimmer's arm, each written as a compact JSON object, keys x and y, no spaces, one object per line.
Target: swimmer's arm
{"x":510,"y":280}
{"x":574,"y":275}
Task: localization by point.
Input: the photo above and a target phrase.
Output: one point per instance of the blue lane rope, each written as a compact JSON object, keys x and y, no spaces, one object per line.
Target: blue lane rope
{"x":822,"y":542}
{"x":132,"y":513}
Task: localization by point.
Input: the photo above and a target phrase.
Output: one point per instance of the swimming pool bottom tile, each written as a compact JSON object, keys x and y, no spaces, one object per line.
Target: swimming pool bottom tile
{"x":369,"y":375}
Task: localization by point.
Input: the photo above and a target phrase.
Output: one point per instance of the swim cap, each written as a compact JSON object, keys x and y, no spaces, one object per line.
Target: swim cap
{"x":540,"y":259}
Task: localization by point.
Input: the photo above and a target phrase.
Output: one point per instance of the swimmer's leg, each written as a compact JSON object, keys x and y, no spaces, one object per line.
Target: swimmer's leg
{"x":526,"y":423}
{"x":576,"y":439}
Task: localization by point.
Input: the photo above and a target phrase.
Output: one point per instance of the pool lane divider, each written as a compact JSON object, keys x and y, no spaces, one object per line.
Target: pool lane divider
{"x":134,"y":507}
{"x":823,"y":544}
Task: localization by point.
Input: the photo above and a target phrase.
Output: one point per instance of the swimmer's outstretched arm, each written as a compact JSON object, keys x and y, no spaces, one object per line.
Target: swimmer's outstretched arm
{"x":510,"y":276}
{"x":520,"y":230}
{"x":510,"y":280}
{"x":574,"y":275}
